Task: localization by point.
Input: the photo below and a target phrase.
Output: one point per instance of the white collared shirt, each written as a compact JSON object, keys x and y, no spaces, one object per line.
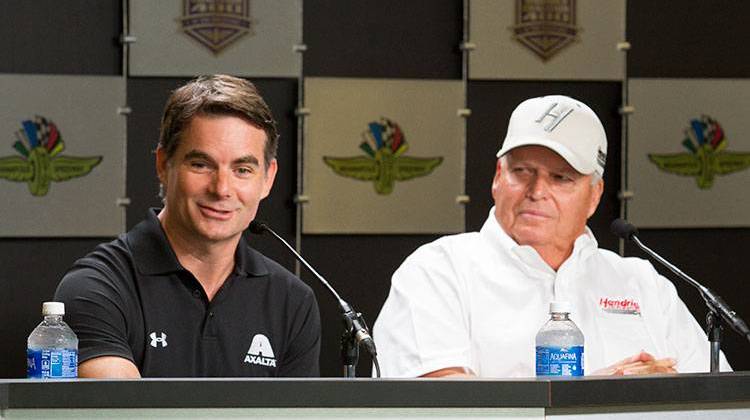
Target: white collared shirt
{"x":476,"y":300}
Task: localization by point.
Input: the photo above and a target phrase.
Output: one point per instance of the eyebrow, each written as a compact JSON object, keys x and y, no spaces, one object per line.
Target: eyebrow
{"x":197,"y":154}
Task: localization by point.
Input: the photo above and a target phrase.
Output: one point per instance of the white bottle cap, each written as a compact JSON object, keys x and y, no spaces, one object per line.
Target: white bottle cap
{"x":560,"y":307}
{"x":53,"y":308}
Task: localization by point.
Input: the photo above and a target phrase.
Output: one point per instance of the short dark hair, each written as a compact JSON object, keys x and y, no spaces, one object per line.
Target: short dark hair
{"x":217,"y":94}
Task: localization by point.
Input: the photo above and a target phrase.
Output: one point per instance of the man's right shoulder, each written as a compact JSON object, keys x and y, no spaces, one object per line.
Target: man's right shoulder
{"x":109,"y":264}
{"x":457,"y":246}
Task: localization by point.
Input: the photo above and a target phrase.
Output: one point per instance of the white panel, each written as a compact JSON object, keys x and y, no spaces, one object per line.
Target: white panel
{"x":341,"y":111}
{"x":84,"y":111}
{"x":164,"y":49}
{"x":592,"y":55}
{"x":664,"y":111}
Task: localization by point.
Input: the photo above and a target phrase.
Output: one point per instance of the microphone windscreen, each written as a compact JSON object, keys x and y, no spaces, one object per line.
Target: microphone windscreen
{"x":257,"y":227}
{"x":623,"y":229}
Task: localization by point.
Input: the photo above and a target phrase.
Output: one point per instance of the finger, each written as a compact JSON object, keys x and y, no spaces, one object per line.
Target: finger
{"x":649,"y":369}
{"x":645,"y":357}
{"x":636,"y":358}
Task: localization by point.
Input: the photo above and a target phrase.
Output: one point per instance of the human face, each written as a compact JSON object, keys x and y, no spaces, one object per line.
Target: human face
{"x":215,"y":179}
{"x":541,"y":201}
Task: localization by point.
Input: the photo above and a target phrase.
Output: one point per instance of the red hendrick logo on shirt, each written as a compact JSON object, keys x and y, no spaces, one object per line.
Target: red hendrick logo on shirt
{"x":620,"y":306}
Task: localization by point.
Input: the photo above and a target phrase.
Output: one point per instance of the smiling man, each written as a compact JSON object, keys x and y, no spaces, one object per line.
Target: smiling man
{"x":183,"y":294}
{"x":471,"y":304}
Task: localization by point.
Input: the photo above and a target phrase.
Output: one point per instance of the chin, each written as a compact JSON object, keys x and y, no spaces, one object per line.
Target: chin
{"x":529,"y":237}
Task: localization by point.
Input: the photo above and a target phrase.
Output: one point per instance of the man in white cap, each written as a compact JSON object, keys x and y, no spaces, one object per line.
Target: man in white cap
{"x":471,"y":304}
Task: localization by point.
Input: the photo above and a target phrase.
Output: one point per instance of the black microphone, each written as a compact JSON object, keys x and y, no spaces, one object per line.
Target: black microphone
{"x":354,"y":322}
{"x":623,"y":229}
{"x":626,"y":230}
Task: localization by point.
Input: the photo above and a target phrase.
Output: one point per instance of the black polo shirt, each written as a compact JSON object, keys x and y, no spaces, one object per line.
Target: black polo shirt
{"x":131,"y":298}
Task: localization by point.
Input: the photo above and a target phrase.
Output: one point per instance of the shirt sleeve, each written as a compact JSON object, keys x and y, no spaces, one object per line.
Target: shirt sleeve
{"x":687,"y":338}
{"x":96,"y":310}
{"x":301,"y":358}
{"x":424,"y":325}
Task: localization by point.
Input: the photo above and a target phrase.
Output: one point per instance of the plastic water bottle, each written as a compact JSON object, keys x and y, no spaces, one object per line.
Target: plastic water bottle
{"x":52,"y":348}
{"x":559,"y":344}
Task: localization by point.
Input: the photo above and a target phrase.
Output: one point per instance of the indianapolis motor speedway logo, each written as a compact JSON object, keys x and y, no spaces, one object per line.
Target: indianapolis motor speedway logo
{"x":384,"y":161}
{"x":39,"y":143}
{"x":216,"y":24}
{"x":705,"y":157}
{"x":545,"y":26}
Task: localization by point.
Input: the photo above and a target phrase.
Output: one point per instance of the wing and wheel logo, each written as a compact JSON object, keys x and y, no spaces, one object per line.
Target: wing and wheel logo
{"x":385,"y":160}
{"x":706,"y":154}
{"x":38,"y":160}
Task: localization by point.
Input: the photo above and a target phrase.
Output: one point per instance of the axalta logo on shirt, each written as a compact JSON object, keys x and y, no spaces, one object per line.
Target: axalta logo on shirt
{"x":157,"y":340}
{"x":620,"y":306}
{"x":260,"y":352}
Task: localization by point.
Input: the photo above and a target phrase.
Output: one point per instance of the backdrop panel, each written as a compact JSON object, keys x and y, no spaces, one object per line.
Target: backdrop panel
{"x":531,"y":39}
{"x":190,"y":37}
{"x":53,"y":37}
{"x":689,"y":38}
{"x":688,"y":147}
{"x":378,"y":152}
{"x":62,"y":155}
{"x":388,"y":38}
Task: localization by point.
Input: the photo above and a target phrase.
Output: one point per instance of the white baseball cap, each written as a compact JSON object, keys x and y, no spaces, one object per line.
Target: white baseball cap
{"x":563,"y":124}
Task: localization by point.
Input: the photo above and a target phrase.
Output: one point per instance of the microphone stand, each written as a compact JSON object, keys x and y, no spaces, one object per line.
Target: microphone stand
{"x":355,"y":329}
{"x":717,"y":308}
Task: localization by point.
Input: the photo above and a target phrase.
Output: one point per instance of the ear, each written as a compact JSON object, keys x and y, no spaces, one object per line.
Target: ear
{"x":496,"y":179}
{"x":269,"y":177}
{"x":596,"y":196}
{"x":161,"y":165}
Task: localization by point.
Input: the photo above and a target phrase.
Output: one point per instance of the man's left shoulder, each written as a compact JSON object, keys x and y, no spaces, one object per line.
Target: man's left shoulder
{"x":627,"y":267}
{"x":278,"y":276}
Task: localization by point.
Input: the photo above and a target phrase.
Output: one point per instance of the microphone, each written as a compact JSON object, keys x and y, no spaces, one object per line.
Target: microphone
{"x":716,"y":304}
{"x":623,"y":229}
{"x":355,"y":325}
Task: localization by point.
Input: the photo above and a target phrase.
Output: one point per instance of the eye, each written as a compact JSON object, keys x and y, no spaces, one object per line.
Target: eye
{"x":199,"y":165}
{"x":562,"y":178}
{"x":244,"y":171}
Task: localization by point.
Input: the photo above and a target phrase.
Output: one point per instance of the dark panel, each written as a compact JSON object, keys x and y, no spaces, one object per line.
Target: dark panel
{"x":714,"y":258}
{"x":29,"y":272}
{"x":491,"y":104}
{"x":146,"y":97}
{"x":359,"y":268}
{"x":389,"y":38}
{"x":576,"y":397}
{"x":692,"y":38}
{"x":47,"y":36}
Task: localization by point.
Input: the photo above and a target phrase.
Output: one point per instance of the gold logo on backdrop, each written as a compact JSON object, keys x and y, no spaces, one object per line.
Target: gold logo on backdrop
{"x":216,"y":23}
{"x":545,"y":26}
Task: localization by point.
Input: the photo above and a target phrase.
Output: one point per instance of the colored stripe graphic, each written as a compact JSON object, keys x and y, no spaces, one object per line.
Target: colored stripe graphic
{"x":30,"y":129}
{"x":698,"y":130}
{"x":377,"y":133}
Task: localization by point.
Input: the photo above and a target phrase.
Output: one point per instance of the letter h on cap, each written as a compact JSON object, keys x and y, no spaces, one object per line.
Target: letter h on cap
{"x":557,"y":117}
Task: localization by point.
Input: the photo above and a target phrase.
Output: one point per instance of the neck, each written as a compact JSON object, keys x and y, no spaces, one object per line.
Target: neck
{"x":210,"y":262}
{"x":554,"y":256}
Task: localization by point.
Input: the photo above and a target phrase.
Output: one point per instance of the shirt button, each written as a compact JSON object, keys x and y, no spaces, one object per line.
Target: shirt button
{"x":211,"y":314}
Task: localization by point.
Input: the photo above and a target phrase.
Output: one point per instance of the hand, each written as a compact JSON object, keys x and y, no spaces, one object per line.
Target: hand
{"x":641,"y":364}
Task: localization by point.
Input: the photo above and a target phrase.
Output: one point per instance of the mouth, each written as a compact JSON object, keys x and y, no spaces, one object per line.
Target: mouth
{"x":215,"y":212}
{"x":533,"y":214}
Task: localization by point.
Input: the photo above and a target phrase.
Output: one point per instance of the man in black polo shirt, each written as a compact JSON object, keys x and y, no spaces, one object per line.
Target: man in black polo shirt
{"x":182,"y":293}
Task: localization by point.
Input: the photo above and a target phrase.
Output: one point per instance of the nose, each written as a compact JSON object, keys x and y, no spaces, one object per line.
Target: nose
{"x":221,"y":183}
{"x":538,"y":188}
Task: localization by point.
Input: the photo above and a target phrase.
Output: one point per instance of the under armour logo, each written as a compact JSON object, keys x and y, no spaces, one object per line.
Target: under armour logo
{"x":557,"y":116}
{"x":156,"y":340}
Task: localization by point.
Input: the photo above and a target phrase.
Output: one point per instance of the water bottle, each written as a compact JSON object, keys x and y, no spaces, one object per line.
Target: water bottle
{"x":559,"y":344}
{"x":52,"y":348}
